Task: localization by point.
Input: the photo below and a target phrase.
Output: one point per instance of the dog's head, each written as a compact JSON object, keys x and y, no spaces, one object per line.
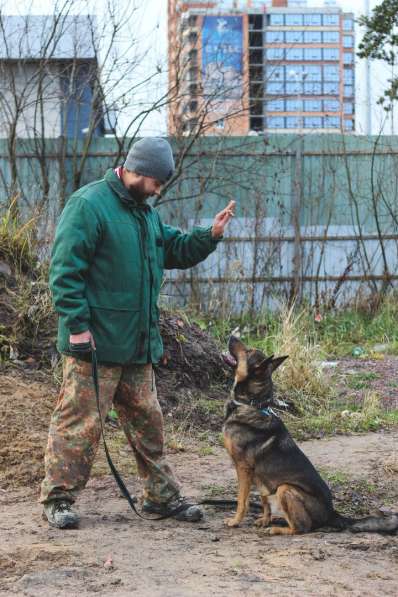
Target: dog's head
{"x":253,"y":372}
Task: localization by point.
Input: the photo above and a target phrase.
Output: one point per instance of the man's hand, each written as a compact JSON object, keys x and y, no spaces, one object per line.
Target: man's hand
{"x":222,"y":219}
{"x":82,"y":338}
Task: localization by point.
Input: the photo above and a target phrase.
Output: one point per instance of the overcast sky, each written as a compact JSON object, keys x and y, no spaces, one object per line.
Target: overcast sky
{"x":150,"y":31}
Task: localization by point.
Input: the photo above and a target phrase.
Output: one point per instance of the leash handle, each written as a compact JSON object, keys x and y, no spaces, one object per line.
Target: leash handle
{"x":87,"y":348}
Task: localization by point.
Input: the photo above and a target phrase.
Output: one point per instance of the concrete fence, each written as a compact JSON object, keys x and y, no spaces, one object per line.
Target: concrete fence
{"x":316,"y":218}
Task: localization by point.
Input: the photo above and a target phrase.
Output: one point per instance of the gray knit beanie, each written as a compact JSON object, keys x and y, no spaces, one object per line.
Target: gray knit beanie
{"x":151,"y":156}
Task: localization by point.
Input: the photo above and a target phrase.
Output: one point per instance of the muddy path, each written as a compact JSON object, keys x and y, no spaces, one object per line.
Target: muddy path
{"x":170,"y":559}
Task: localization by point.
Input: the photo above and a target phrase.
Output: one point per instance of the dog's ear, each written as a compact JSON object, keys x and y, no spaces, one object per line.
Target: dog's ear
{"x":263,"y":366}
{"x":269,"y":365}
{"x":277,"y":362}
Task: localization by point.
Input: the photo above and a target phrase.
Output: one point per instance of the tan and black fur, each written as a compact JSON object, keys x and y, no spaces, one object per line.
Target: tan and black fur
{"x":264,"y":453}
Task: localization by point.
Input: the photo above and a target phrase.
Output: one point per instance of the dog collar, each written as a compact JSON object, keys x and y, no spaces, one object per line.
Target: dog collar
{"x":266,"y":412}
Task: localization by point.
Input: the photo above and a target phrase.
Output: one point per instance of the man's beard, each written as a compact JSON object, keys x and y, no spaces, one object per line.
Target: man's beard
{"x":137,"y":193}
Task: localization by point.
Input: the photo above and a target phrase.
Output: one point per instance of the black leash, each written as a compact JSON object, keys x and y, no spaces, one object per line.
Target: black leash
{"x":230,"y":504}
{"x":87,"y":348}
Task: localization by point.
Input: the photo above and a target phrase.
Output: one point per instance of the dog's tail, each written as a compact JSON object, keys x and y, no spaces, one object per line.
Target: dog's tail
{"x":369,"y":524}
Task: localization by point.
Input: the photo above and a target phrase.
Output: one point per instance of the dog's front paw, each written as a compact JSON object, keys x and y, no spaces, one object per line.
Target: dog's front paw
{"x":232,"y":522}
{"x":263,"y":521}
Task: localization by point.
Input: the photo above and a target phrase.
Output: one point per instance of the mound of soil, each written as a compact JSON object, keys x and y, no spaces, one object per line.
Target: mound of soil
{"x":192,"y":362}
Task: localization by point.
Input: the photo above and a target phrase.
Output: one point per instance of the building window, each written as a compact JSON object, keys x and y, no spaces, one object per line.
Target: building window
{"x":330,"y":37}
{"x":294,"y":122}
{"x":276,"y":20}
{"x":275,"y":106}
{"x":256,"y":90}
{"x":297,"y":70}
{"x":294,"y":88}
{"x":312,"y":88}
{"x":313,"y":106}
{"x":293,"y":54}
{"x":348,"y":41}
{"x":330,"y":20}
{"x":312,"y":20}
{"x":256,"y":73}
{"x":294,"y":37}
{"x":274,"y":37}
{"x":331,"y":73}
{"x":314,"y":73}
{"x":255,"y":56}
{"x":331,"y":106}
{"x":348,"y":24}
{"x":256,"y":108}
{"x":220,"y":123}
{"x":348,"y":124}
{"x":275,"y":53}
{"x":331,"y":122}
{"x":293,"y":20}
{"x":348,"y":57}
{"x":330,"y":53}
{"x":348,"y":91}
{"x":348,"y":76}
{"x":275,"y":122}
{"x":274,"y":88}
{"x":313,"y":122}
{"x":348,"y":108}
{"x":294,"y":105}
{"x":255,"y":22}
{"x":191,"y":74}
{"x":331,"y":88}
{"x":255,"y":39}
{"x":193,"y":55}
{"x":275,"y":73}
{"x":312,"y":37}
{"x":312,"y":54}
{"x":256,"y":123}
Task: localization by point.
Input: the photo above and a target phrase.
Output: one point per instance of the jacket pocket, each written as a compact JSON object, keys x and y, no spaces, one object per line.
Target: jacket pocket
{"x":115,"y":321}
{"x":118,"y":301}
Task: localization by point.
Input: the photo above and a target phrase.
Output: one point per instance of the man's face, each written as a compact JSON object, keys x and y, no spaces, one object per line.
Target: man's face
{"x":141,"y":187}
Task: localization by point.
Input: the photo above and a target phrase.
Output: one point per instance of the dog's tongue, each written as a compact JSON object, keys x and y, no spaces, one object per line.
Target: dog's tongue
{"x":229,"y":359}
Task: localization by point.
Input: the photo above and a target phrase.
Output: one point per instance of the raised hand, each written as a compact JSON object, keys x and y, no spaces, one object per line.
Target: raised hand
{"x":222,"y":219}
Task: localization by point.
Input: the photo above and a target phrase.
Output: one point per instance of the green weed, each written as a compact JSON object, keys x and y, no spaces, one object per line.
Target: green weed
{"x":206,"y":451}
{"x":335,"y":335}
{"x":360,"y":381}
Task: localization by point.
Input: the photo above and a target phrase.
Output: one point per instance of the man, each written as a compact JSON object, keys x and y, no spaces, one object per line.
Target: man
{"x":106,"y":271}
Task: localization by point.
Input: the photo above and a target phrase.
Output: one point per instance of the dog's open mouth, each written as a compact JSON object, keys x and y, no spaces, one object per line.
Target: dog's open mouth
{"x":229,"y":359}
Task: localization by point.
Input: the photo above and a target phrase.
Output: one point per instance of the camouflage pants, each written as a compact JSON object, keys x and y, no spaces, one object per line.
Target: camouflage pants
{"x":74,"y":432}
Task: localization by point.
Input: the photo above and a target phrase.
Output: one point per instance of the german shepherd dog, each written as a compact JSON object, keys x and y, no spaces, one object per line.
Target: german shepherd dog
{"x":264,"y":452}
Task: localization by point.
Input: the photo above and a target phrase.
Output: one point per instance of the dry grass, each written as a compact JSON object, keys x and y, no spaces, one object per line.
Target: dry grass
{"x":17,"y":241}
{"x":300,"y":378}
{"x":391,"y":465}
{"x":28,"y":323}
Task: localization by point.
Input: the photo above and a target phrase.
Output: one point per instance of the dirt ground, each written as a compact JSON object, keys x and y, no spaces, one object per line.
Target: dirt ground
{"x":377,"y":375}
{"x":115,"y":553}
{"x":176,"y":559}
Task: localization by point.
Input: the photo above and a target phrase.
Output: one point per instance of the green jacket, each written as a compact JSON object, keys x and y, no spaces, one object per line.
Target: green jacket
{"x":107,"y":267}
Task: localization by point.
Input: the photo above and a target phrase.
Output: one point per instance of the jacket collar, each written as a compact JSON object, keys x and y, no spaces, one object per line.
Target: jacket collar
{"x":117,"y":186}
